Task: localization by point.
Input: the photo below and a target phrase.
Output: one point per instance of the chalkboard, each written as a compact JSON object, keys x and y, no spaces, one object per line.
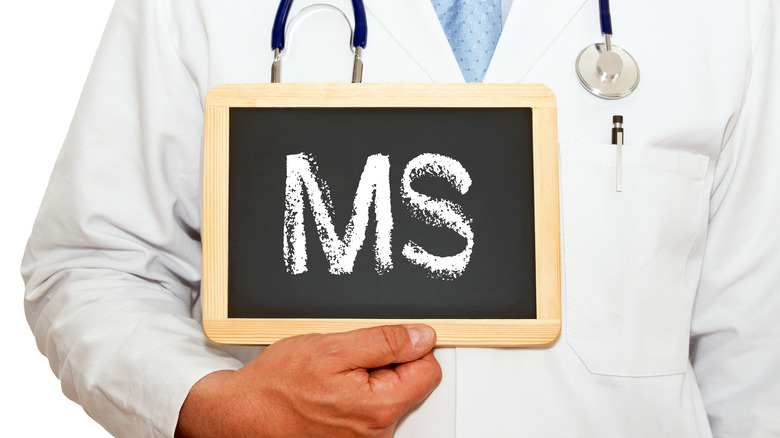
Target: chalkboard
{"x":334,"y":206}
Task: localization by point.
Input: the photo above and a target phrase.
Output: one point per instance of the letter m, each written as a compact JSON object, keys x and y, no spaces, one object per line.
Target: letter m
{"x":374,"y":188}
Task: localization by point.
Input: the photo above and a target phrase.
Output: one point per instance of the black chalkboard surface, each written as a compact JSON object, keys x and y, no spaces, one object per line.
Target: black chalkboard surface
{"x":328,"y":207}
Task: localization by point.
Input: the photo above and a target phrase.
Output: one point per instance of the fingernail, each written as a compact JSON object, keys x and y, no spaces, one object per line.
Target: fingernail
{"x":420,"y":335}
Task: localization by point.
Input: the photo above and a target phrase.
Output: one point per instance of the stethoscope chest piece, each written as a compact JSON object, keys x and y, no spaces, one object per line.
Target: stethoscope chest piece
{"x":609,"y":74}
{"x":606,"y":70}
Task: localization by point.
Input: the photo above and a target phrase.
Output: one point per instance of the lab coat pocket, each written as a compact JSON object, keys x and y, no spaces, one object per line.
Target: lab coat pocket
{"x":628,"y":306}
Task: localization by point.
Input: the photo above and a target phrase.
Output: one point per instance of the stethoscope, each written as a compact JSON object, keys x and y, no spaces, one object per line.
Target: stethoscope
{"x":359,"y":36}
{"x":605,"y":70}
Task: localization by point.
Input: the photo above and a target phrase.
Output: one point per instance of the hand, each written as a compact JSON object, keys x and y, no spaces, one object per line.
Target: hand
{"x":354,"y":384}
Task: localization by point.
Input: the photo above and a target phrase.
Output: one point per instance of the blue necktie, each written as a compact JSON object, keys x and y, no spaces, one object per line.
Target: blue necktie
{"x":472,"y":28}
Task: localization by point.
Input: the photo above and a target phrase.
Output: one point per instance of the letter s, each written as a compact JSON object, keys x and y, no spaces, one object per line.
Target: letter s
{"x":438,"y":213}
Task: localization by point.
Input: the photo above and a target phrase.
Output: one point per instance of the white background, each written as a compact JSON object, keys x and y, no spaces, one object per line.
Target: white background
{"x":46,"y":49}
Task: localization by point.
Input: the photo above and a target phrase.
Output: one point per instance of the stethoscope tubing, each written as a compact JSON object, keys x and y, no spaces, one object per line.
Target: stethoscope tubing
{"x":605,"y":18}
{"x":359,"y":36}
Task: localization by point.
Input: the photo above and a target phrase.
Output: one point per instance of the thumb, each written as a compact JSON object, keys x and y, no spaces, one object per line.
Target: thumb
{"x":377,"y":347}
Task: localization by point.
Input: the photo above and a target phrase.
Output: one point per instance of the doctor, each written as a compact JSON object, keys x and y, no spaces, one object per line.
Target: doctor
{"x":670,"y":287}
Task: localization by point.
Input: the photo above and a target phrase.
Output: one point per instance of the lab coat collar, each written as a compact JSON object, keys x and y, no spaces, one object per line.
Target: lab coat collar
{"x":530,"y":29}
{"x":415,"y":26}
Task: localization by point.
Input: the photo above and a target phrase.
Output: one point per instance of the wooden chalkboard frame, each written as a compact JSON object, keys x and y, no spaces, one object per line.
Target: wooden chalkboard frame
{"x":543,"y":330}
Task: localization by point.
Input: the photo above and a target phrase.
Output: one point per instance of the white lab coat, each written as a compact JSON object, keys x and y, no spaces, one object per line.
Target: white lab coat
{"x":687,"y":255}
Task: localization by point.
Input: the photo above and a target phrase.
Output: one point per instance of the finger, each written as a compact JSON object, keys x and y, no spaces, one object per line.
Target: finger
{"x":376,"y":347}
{"x":389,"y":431}
{"x":409,"y":383}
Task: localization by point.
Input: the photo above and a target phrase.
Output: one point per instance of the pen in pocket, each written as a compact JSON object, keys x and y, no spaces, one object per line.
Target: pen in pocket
{"x":617,"y":140}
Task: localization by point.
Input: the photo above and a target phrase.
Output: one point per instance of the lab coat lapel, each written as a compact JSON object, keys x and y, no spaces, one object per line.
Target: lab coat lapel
{"x":415,"y":26}
{"x":530,"y":29}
